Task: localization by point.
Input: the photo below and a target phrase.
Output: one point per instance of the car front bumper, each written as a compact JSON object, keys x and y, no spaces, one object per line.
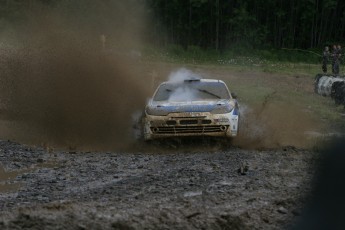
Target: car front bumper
{"x":191,"y":124}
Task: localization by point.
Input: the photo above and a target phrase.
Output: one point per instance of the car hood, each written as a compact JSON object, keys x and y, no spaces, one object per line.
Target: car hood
{"x":162,"y":108}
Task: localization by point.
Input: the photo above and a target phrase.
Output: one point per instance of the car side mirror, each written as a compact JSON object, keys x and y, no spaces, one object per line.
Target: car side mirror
{"x":233,"y":95}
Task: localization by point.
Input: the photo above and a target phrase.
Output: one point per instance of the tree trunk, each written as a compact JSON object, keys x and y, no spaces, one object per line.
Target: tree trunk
{"x":217,"y":24}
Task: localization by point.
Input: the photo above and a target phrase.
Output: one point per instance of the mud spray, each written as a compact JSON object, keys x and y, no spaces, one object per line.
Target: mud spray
{"x":71,"y":77}
{"x":183,"y":93}
{"x":70,"y":74}
{"x":273,"y":124}
{"x":271,"y":120}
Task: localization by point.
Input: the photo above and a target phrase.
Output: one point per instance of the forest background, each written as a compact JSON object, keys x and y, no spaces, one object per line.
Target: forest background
{"x":278,"y":30}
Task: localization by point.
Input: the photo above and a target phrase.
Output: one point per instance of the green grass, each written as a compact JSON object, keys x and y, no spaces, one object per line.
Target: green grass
{"x":270,"y":61}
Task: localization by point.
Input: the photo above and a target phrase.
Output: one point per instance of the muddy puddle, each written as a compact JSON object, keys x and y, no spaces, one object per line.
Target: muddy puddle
{"x":8,"y":181}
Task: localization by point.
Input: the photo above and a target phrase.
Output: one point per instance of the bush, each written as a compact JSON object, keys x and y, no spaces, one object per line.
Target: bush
{"x":175,"y":50}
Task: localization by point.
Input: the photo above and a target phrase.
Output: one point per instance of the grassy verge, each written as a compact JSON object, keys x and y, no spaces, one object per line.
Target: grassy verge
{"x":271,"y":61}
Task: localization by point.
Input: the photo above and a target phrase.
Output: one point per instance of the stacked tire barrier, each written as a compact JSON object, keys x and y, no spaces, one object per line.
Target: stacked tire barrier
{"x":330,"y":85}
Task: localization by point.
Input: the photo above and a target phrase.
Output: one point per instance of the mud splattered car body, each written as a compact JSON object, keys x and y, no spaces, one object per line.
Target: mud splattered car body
{"x":201,"y":107}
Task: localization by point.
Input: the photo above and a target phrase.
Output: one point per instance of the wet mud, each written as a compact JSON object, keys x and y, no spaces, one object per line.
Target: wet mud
{"x":174,"y":188}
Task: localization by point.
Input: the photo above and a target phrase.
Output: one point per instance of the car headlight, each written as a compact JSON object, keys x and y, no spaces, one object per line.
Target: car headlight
{"x":156,"y":111}
{"x":221,"y":109}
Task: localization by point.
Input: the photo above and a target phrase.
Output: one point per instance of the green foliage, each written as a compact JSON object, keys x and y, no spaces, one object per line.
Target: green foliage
{"x":293,"y":56}
{"x":205,"y":24}
{"x":221,"y":24}
{"x":175,"y":51}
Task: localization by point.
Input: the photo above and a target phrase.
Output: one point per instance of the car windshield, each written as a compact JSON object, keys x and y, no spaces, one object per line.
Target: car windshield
{"x":191,"y":91}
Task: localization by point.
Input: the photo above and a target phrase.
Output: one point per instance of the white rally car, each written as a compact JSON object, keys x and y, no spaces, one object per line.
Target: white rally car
{"x":195,"y":107}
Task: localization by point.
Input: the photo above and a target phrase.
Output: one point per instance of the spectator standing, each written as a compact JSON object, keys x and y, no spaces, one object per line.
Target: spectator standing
{"x":325,"y":59}
{"x":335,"y":61}
{"x":337,"y":57}
{"x":340,"y":55}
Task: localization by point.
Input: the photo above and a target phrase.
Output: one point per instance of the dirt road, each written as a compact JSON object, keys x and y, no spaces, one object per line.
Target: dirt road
{"x":172,"y":189}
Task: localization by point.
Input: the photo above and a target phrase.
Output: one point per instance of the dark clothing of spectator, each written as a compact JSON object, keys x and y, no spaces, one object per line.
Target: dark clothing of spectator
{"x":335,"y":60}
{"x":325,"y":59}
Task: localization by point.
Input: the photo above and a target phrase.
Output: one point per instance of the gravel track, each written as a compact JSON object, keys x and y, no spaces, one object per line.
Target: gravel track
{"x":171,"y":189}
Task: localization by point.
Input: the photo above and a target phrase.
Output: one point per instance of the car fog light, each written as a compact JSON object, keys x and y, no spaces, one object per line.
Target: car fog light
{"x":222,"y":128}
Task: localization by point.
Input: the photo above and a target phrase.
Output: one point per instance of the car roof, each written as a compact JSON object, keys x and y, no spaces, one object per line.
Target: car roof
{"x":213,"y":83}
{"x":196,"y":80}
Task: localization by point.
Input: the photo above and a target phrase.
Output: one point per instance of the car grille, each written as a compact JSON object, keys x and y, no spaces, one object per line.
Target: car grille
{"x":206,"y":122}
{"x":171,"y":122}
{"x":189,"y":129}
{"x":189,"y":122}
